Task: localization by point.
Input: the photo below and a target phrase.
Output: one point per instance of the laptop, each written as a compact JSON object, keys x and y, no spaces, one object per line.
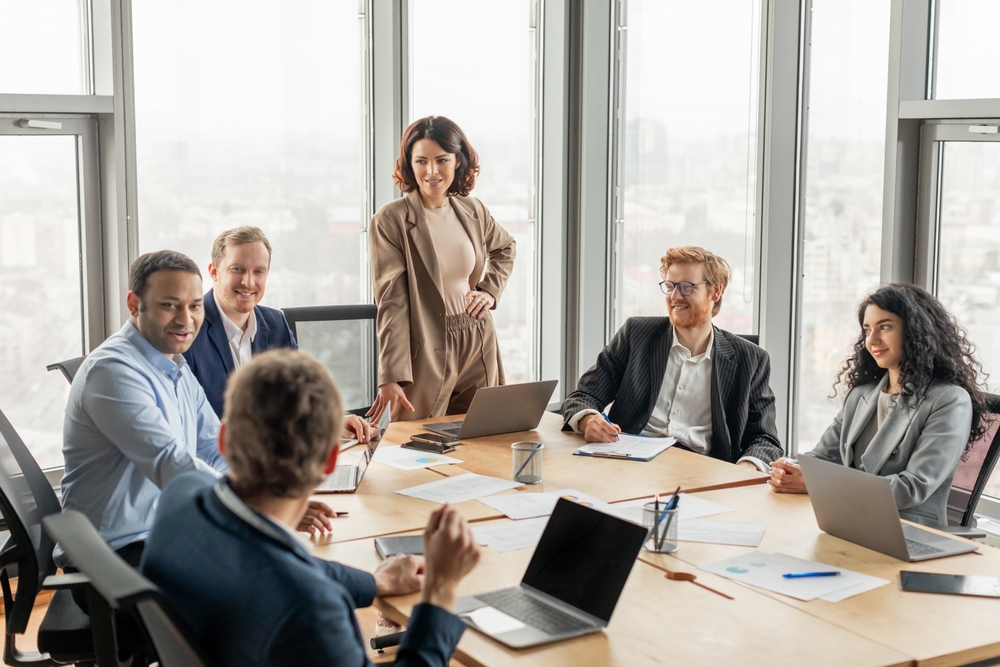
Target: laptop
{"x":572,"y":583}
{"x":346,"y":477}
{"x":859,"y":507}
{"x":383,"y":424}
{"x":505,"y":409}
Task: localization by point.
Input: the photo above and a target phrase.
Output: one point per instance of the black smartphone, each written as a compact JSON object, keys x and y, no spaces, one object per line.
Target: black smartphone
{"x":434,"y":438}
{"x":950,"y":584}
{"x":425,"y":446}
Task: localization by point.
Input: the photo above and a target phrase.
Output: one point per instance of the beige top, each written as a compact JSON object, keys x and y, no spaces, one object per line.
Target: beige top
{"x":455,"y":253}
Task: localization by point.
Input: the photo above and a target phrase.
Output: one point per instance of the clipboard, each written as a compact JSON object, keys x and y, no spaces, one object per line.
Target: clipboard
{"x":628,"y":448}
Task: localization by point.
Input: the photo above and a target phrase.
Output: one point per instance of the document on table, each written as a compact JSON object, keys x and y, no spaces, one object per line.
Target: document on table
{"x":691,"y":507}
{"x":511,"y":535}
{"x":528,"y":505}
{"x":458,"y":489}
{"x":767,"y":571}
{"x":628,"y":447}
{"x":738,"y":533}
{"x":410,"y":459}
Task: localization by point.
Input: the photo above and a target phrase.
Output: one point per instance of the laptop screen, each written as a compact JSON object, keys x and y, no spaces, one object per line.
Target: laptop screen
{"x":584,"y":558}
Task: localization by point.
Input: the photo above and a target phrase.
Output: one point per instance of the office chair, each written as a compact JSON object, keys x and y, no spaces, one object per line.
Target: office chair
{"x":25,"y":499}
{"x":343,"y":339}
{"x":125,"y":590}
{"x":972,"y":475}
{"x":753,"y":338}
{"x":68,"y":367}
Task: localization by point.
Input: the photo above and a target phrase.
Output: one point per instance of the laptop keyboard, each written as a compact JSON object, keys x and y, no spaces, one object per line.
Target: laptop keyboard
{"x":920,"y":549}
{"x":342,"y":477}
{"x":532,"y":611}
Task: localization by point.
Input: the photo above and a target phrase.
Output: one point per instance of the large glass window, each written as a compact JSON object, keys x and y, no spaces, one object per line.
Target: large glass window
{"x":969,"y":251}
{"x":40,"y":285}
{"x":968,"y":51}
{"x":249,"y":113}
{"x":845,"y":155}
{"x":472,"y":62}
{"x":690,"y":146}
{"x":42,"y":47}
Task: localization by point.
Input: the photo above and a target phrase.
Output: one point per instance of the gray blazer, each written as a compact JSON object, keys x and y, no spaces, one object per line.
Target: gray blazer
{"x":918,"y":446}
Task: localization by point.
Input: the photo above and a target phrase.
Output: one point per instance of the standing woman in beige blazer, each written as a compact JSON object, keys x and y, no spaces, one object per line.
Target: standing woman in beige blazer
{"x":439,"y":266}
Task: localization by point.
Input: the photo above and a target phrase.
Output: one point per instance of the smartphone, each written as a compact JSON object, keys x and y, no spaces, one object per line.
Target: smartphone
{"x":425,"y":446}
{"x":434,"y":438}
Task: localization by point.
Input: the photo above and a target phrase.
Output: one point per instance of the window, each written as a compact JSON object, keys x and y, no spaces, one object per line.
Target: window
{"x":252,"y":115}
{"x":472,"y":62}
{"x":690,"y":147}
{"x":967,"y":49}
{"x":842,"y":222}
{"x":42,"y":46}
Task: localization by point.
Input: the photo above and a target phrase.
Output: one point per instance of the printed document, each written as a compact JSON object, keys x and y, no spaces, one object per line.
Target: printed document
{"x":458,"y":489}
{"x":629,"y":447}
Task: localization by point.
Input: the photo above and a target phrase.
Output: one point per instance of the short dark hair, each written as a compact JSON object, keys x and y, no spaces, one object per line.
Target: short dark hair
{"x":283,"y":416}
{"x":450,"y":137}
{"x":163,"y":260}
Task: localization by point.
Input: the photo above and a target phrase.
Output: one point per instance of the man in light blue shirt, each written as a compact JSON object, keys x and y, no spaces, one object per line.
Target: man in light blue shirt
{"x":136,"y":415}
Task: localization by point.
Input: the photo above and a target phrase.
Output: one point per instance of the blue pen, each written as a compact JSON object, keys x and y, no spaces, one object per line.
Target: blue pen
{"x":608,"y":419}
{"x":803,"y":575}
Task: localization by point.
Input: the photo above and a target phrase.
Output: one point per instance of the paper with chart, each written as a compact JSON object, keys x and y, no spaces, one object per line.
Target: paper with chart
{"x":712,"y":531}
{"x":766,"y":571}
{"x":691,"y":507}
{"x":458,"y":489}
{"x":637,"y":447}
{"x":410,"y":459}
{"x":528,"y":505}
{"x":511,"y":535}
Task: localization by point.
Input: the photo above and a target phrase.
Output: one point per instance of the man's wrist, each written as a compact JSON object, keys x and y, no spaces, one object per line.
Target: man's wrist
{"x":439,"y":595}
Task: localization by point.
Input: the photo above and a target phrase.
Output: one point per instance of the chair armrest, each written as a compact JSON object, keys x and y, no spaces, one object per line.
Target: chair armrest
{"x":65,"y":581}
{"x":968,"y":532}
{"x":385,"y":641}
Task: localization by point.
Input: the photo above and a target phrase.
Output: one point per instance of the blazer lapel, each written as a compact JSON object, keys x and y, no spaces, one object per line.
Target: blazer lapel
{"x":888,"y":437}
{"x":723,"y":376}
{"x":263,"y":336}
{"x":659,"y":353}
{"x":867,"y":405}
{"x":421,"y":238}
{"x":217,"y":332}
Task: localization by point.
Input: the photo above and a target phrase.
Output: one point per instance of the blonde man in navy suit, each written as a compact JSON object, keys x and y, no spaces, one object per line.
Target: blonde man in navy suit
{"x":913,"y":403}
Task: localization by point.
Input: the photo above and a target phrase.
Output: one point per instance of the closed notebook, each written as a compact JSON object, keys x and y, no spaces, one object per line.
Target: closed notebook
{"x":390,"y":546}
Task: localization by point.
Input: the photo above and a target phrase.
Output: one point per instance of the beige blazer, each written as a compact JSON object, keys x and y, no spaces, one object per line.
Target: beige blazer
{"x":408,"y":292}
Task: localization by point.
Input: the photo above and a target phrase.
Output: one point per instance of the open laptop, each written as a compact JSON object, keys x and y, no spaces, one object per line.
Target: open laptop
{"x":572,"y":583}
{"x":859,"y":507}
{"x":383,"y":424}
{"x":505,"y":409}
{"x":346,"y":477}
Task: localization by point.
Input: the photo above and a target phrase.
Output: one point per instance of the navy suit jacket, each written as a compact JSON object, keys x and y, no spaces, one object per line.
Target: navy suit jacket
{"x":629,"y":371}
{"x":210,"y":357}
{"x":255,"y":599}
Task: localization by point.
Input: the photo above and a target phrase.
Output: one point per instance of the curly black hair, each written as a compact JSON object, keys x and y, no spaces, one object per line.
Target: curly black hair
{"x":935,"y":349}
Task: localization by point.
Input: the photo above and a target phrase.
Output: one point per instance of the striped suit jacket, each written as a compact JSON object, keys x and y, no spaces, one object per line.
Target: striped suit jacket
{"x":629,"y":373}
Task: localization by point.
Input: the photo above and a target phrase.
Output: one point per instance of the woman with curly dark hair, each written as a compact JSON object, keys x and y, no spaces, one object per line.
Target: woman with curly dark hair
{"x":439,"y":265}
{"x":913,"y":405}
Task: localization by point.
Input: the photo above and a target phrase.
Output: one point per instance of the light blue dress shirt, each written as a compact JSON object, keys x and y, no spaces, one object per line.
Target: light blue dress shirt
{"x":134,"y":420}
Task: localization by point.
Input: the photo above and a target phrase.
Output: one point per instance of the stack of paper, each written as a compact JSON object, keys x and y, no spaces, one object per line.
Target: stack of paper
{"x":691,"y":507}
{"x":628,"y":447}
{"x":767,"y":571}
{"x":402,"y":458}
{"x":511,"y":535}
{"x":528,"y":505}
{"x":459,"y":489}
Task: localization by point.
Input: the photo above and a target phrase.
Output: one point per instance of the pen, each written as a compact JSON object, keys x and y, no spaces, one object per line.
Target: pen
{"x":608,"y":419}
{"x":610,"y":455}
{"x":674,"y":499}
{"x":803,"y":575}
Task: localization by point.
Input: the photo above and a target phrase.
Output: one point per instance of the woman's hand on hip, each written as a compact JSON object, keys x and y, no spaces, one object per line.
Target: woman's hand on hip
{"x":786,"y":477}
{"x":478,"y":302}
{"x":389,"y":393}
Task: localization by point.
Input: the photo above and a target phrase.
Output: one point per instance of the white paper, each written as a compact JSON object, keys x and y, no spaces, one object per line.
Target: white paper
{"x":410,"y":459}
{"x":493,"y":621}
{"x":636,"y":446}
{"x":691,"y":507}
{"x":766,"y":571}
{"x":459,"y":489}
{"x":511,"y":535}
{"x":738,"y":533}
{"x":528,"y":505}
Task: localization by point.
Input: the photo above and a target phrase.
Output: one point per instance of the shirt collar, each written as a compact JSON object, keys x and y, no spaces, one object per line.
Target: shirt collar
{"x":159,"y":360}
{"x":707,"y":354}
{"x":262,"y":523}
{"x":234,"y":333}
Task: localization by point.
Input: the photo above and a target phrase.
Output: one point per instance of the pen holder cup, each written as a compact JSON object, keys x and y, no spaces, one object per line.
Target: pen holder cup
{"x":662,"y":525}
{"x":526,"y":462}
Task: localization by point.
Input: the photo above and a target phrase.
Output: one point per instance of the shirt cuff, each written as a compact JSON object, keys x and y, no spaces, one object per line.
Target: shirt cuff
{"x":761,"y":466}
{"x":575,"y":419}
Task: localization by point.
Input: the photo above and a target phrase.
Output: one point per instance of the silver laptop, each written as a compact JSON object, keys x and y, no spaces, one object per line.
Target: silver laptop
{"x":346,"y":478}
{"x":505,"y":409}
{"x":859,"y":507}
{"x":572,"y":583}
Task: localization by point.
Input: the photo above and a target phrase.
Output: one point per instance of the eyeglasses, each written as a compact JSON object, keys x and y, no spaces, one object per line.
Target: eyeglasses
{"x":685,"y":287}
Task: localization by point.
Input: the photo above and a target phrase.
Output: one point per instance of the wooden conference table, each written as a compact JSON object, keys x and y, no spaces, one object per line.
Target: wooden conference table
{"x":670,"y":611}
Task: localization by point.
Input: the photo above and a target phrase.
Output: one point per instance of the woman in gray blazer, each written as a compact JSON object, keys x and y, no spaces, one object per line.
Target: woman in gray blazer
{"x":913,"y":403}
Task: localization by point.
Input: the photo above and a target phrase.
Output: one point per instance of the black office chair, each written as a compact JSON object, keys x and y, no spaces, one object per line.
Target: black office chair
{"x":26,"y":497}
{"x":753,"y":338}
{"x":68,"y":367}
{"x":343,"y":339}
{"x":125,"y":590}
{"x":972,"y":475}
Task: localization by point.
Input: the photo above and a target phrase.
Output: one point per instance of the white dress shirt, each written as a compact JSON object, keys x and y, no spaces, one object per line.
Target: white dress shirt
{"x":239,"y":340}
